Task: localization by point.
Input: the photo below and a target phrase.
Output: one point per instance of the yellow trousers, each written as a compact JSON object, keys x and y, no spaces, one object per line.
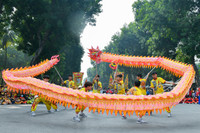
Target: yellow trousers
{"x":168,"y":110}
{"x":47,"y":103}
{"x":79,"y":109}
{"x":141,"y":114}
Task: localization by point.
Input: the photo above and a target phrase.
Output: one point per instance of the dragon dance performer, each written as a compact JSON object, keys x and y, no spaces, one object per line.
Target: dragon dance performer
{"x":137,"y":91}
{"x":119,"y":88}
{"x":157,"y":86}
{"x":97,"y":85}
{"x":69,"y":83}
{"x":119,"y":85}
{"x":87,"y":87}
{"x":143,"y":83}
{"x":40,"y":99}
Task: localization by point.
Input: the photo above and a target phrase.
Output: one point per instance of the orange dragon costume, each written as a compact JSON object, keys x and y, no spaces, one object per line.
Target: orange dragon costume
{"x":23,"y":80}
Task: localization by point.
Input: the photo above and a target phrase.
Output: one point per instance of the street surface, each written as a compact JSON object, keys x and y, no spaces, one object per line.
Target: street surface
{"x":17,"y":119}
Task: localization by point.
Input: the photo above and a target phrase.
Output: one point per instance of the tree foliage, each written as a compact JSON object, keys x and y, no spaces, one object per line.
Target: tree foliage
{"x":130,"y":41}
{"x":174,"y":26}
{"x":167,"y":28}
{"x":50,"y":27}
{"x":15,"y":58}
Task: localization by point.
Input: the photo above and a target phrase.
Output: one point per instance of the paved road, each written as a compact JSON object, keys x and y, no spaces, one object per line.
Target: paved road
{"x":17,"y":119}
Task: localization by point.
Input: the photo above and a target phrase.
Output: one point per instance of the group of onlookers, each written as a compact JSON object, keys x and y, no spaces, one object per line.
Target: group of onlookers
{"x":192,"y":97}
{"x":7,"y":97}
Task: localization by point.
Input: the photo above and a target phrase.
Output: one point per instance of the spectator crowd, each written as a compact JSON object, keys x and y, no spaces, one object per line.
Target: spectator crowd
{"x":192,"y":97}
{"x":7,"y":97}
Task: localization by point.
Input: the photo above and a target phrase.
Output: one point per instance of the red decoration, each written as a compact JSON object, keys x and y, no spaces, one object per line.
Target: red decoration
{"x":95,"y":54}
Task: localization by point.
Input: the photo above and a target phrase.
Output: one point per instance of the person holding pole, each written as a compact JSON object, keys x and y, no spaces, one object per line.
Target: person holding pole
{"x":39,"y":99}
{"x":119,"y":85}
{"x":119,"y":88}
{"x":79,"y":109}
{"x":97,"y":85}
{"x":137,"y":91}
{"x":157,"y":86}
{"x":142,"y":83}
{"x":69,"y":83}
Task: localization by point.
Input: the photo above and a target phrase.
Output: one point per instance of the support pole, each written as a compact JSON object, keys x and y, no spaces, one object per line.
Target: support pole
{"x":58,"y":73}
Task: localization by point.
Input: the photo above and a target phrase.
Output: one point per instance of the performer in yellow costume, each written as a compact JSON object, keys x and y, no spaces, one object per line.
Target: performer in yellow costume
{"x":119,"y":85}
{"x":97,"y":85}
{"x":137,"y":91}
{"x":87,"y":87}
{"x":119,"y":88}
{"x":143,"y":83}
{"x":157,"y":86}
{"x":69,"y":83}
{"x":40,"y":99}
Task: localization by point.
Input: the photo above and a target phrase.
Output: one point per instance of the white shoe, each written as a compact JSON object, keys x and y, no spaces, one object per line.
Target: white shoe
{"x":56,"y":110}
{"x":76,"y":119}
{"x":33,"y":113}
{"x":82,"y":115}
{"x":169,"y":115}
{"x":140,"y":121}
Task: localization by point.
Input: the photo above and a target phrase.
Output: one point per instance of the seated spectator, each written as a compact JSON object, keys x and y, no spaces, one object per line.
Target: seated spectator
{"x":196,"y":100}
{"x":1,"y":99}
{"x":109,"y":91}
{"x":18,"y":101}
{"x":148,"y":92}
{"x":23,"y":100}
{"x":7,"y":97}
{"x":193,"y":94}
{"x":6,"y":101}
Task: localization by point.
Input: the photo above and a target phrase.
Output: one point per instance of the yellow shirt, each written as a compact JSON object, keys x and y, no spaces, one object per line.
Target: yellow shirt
{"x":144,"y":91}
{"x":83,"y":89}
{"x":120,"y":87}
{"x":96,"y":86}
{"x":69,"y":84}
{"x":157,"y":85}
{"x":134,"y":91}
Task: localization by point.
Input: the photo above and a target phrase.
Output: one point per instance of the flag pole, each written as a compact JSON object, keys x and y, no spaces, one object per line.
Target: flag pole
{"x":96,"y":69}
{"x":115,"y":74}
{"x":149,"y":73}
{"x":58,"y":73}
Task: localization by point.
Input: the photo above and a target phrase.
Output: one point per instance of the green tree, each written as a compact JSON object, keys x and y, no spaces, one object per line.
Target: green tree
{"x":70,"y":56}
{"x":4,"y":19}
{"x":173,"y":26}
{"x":130,"y":41}
{"x":7,"y":39}
{"x":15,"y":59}
{"x":48,"y":25}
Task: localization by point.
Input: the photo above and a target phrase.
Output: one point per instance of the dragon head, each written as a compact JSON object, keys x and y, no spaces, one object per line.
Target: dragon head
{"x":95,"y":54}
